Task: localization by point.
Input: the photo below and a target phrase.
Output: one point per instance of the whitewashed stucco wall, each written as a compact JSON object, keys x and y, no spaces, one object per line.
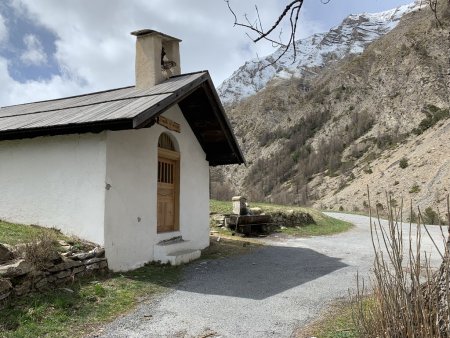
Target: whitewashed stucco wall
{"x":55,"y":181}
{"x":130,"y":214}
{"x":103,"y":188}
{"x":129,"y":202}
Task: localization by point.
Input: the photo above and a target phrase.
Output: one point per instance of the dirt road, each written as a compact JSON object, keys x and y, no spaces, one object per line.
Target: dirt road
{"x":268,"y":293}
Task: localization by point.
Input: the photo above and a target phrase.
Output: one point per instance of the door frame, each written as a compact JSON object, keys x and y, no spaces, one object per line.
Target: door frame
{"x":174,"y":156}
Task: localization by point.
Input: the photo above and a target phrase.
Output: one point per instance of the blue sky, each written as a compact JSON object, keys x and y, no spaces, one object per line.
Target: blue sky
{"x":56,"y":48}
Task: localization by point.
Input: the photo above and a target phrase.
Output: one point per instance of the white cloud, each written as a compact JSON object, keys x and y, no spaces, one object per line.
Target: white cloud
{"x":94,"y":42}
{"x":307,"y":26}
{"x":3,"y":30}
{"x":95,"y":51}
{"x":14,"y":92}
{"x":34,"y":53}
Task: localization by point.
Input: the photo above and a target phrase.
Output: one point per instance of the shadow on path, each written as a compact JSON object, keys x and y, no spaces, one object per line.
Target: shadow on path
{"x":261,"y":274}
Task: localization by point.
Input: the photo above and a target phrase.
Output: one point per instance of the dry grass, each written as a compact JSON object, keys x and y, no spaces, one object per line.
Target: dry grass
{"x":42,"y":248}
{"x":409,"y":299}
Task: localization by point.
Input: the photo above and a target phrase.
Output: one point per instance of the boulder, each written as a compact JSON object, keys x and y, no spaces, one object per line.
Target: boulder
{"x":99,"y":252}
{"x":84,"y":255}
{"x":79,"y":269}
{"x":5,"y":254}
{"x":63,"y":274}
{"x":65,"y":265}
{"x":15,"y":269}
{"x":41,"y":284}
{"x":94,"y":266}
{"x":23,"y":288}
{"x":255,"y":211}
{"x":94,"y":260}
{"x":218,"y":220}
{"x":5,"y":288}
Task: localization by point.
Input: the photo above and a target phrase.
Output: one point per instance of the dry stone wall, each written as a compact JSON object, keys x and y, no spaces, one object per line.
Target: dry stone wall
{"x":5,"y":254}
{"x":291,"y":218}
{"x":20,"y":277}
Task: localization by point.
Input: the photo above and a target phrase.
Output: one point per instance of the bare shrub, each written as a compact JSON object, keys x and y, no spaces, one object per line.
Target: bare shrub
{"x":431,"y":217}
{"x":41,"y":249}
{"x":403,"y":163}
{"x":407,"y":299}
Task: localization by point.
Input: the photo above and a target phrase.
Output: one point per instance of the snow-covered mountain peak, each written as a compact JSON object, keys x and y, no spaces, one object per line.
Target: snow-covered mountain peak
{"x":313,"y":53}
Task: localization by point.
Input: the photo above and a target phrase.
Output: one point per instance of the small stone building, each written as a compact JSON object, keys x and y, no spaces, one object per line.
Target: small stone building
{"x":126,"y":168}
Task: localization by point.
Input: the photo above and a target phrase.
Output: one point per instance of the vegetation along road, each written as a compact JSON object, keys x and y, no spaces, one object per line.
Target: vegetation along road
{"x":272,"y":291}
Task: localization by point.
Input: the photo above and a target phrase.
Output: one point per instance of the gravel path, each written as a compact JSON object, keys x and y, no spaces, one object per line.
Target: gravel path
{"x":270,"y":292}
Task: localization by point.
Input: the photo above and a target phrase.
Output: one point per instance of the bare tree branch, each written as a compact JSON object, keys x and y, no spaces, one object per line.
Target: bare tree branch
{"x":253,"y":27}
{"x":434,"y":8}
{"x":290,"y":14}
{"x":289,"y":7}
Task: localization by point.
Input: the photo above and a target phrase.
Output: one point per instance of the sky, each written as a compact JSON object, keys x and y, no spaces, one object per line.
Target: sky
{"x":57,"y":48}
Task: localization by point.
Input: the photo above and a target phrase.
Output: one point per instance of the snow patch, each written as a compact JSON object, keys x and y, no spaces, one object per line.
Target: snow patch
{"x":315,"y":52}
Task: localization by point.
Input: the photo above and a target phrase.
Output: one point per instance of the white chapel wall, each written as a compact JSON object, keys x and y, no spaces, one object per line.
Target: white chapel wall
{"x":55,"y":181}
{"x":131,"y":201}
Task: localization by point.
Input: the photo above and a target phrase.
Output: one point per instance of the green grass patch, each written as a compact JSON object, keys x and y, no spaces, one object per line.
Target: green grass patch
{"x":220,"y":207}
{"x":14,"y":234}
{"x":325,"y":225}
{"x":62,"y":313}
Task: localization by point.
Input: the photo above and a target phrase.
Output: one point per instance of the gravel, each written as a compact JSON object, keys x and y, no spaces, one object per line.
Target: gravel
{"x":271,"y":292}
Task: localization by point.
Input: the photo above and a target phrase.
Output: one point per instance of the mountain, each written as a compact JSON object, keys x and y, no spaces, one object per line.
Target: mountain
{"x":313,"y":53}
{"x":360,"y":120}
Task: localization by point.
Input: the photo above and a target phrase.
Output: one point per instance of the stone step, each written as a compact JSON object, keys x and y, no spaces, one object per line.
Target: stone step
{"x":175,"y":252}
{"x":164,"y":249}
{"x":184,"y":256}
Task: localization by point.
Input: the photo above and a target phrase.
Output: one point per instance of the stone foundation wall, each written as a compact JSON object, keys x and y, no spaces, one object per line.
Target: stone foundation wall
{"x":21,"y":277}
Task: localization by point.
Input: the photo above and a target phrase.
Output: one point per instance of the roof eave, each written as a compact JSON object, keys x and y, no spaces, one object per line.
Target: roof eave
{"x":229,"y":130}
{"x":228,"y":152}
{"x":147,"y":118}
{"x":76,"y":128}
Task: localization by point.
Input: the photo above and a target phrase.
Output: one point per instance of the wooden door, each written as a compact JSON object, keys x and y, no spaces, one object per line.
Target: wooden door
{"x":168,"y":182}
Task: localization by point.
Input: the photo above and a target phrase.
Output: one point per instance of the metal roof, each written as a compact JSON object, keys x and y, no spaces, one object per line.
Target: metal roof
{"x":129,"y":108}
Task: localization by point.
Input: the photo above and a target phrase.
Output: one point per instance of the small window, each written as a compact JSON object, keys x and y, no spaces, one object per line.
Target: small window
{"x":166,"y":171}
{"x":165,"y":142}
